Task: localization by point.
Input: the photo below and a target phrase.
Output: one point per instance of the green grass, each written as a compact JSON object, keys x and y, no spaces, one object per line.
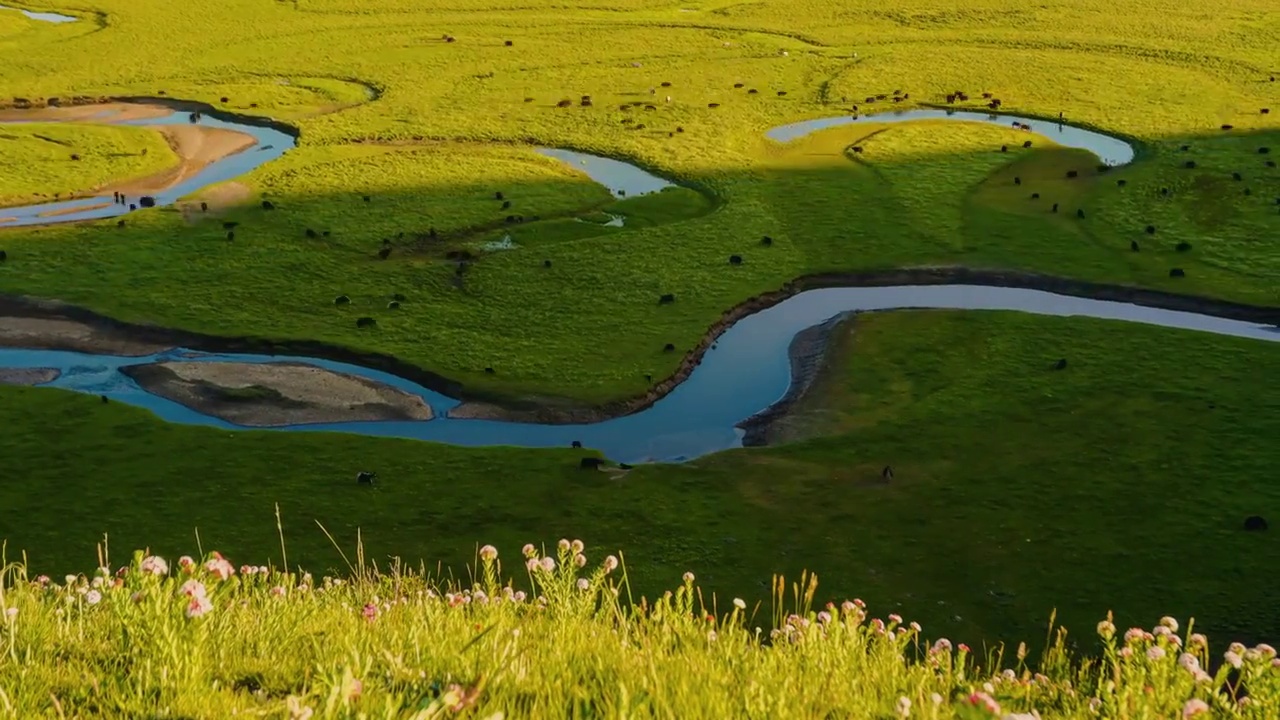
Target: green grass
{"x":455,"y":116}
{"x":39,"y":164}
{"x":1018,"y":490}
{"x":198,"y":640}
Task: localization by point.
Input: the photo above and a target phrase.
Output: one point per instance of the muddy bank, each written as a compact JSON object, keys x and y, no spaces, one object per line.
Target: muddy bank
{"x":808,"y":353}
{"x":28,"y":376}
{"x":557,"y":411}
{"x":58,"y":333}
{"x":276,"y":394}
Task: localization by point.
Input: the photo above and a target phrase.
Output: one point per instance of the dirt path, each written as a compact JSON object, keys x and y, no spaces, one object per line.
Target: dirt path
{"x":275,"y":394}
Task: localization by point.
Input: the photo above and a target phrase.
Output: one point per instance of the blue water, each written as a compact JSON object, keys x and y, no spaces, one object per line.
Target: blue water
{"x":48,"y":17}
{"x":1112,"y":151}
{"x":749,"y":370}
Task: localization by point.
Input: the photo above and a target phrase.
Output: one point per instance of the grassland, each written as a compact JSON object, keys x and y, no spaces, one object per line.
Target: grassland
{"x":1074,"y":490}
{"x":927,"y":195}
{"x":44,"y":161}
{"x":267,"y":643}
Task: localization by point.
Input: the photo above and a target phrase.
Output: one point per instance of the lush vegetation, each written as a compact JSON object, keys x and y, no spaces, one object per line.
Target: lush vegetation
{"x":430,"y":129}
{"x":199,"y":639}
{"x":1034,"y":481}
{"x":45,"y":161}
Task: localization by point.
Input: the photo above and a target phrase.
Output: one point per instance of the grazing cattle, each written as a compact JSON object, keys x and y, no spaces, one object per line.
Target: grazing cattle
{"x":782,"y":93}
{"x":648,"y":378}
{"x":1151,"y":229}
{"x":1190,"y":164}
{"x":119,"y":223}
{"x":1271,"y":163}
{"x":393,"y":305}
{"x":1255,"y":523}
{"x":590,"y":463}
{"x":766,"y":241}
{"x":398,"y":297}
{"x":1227,"y":127}
{"x":752,"y":91}
{"x":624,"y":466}
{"x":1017,"y":180}
{"x":1035,"y":196}
{"x":886,"y":474}
{"x":498,"y":195}
{"x":565,"y":103}
{"x":1183,"y":246}
{"x":268,"y":205}
{"x":1122,"y":183}
{"x":1133,"y":245}
{"x":4,"y":256}
{"x":1061,"y":364}
{"x":546,"y":263}
{"x":1004,"y":148}
{"x":713,"y":105}
{"x":226,"y":100}
{"x":679,"y":129}
{"x":204,"y":207}
{"x":1236,"y":176}
{"x":735,"y":259}
{"x":1164,"y":191}
{"x":881,"y":96}
{"x":528,"y":99}
{"x":857,"y":149}
{"x":1055,"y":207}
{"x":312,"y":234}
{"x":1080,"y":213}
{"x":366,"y":478}
{"x":105,"y":399}
{"x":986,"y":96}
{"x":950,"y":99}
{"x":1072,"y":173}
{"x":667,"y":299}
{"x":231,"y":235}
{"x":1247,"y":191}
{"x":363,"y":322}
{"x":668,"y":348}
{"x":450,"y":38}
{"x":342,"y":300}
{"x":576,"y":444}
{"x":1265,"y":111}
{"x":738,"y":85}
{"x":489,"y":371}
{"x":194,"y":117}
{"x":650,"y":108}
{"x":666,"y":84}
{"x":75,"y":157}
{"x":1104,"y":169}
{"x":386,"y":241}
{"x":1026,"y":144}
{"x":147,"y":201}
{"x":1264,"y":150}
{"x":506,"y":204}
{"x":507,"y":43}
{"x":1185,"y":148}
{"x":1177,"y":273}
{"x":384,"y":253}
{"x":585,"y":102}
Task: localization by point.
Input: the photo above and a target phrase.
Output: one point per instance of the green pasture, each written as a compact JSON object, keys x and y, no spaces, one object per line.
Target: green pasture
{"x":1119,"y":483}
{"x":47,"y":161}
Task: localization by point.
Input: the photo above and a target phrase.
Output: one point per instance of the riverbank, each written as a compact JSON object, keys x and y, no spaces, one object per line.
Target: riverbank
{"x":81,"y":336}
{"x":276,"y":394}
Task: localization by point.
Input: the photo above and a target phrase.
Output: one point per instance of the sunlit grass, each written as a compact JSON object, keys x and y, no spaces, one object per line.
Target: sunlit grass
{"x":47,"y":160}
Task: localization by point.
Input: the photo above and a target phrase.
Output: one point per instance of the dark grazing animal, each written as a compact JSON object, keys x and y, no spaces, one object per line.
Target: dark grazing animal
{"x":735,"y":259}
{"x":766,"y":241}
{"x":231,"y":235}
{"x":590,"y":463}
{"x":384,"y":253}
{"x":1061,"y":364}
{"x":312,"y":234}
{"x":204,"y":207}
{"x":667,"y":299}
{"x":546,"y":263}
{"x":268,"y":205}
{"x":4,"y":256}
{"x":576,"y":444}
{"x":1255,"y":523}
{"x":342,"y":300}
{"x":365,"y":322}
{"x":887,"y":473}
{"x":1177,"y":272}
{"x":668,"y":348}
{"x":1151,"y":229}
{"x":366,"y":478}
{"x":1072,"y":173}
{"x":1080,"y":213}
{"x":1183,"y":246}
{"x":1133,"y":245}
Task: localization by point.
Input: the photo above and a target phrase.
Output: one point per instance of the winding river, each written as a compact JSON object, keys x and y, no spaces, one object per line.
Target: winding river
{"x":747,"y":370}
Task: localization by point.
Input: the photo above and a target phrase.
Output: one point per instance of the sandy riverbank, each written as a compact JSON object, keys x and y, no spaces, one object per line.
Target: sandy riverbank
{"x":275,"y":394}
{"x":28,"y":376}
{"x":40,"y":333}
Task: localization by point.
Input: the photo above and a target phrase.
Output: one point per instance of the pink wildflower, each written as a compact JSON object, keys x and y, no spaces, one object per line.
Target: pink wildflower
{"x":488,"y":553}
{"x":548,"y":564}
{"x":580,"y":560}
{"x":1155,"y":652}
{"x":1198,"y":639}
{"x":1134,"y":635}
{"x":277,"y":591}
{"x":187,"y":564}
{"x":11,"y":613}
{"x":824,"y":617}
{"x":1169,"y":622}
{"x":985,"y":701}
{"x":610,"y":564}
{"x":941,"y":645}
{"x":370,"y":611}
{"x":895,"y":618}
{"x":576,"y":546}
{"x":93,"y":597}
{"x":42,"y":580}
{"x":532,"y":564}
{"x":963,"y":648}
{"x":529,"y":550}
{"x":1106,"y":629}
{"x":193,"y":588}
{"x":219,"y":566}
{"x":154,"y":565}
{"x":1194,"y":707}
{"x":1233,"y":659}
{"x":198,"y":606}
{"x":688,"y":578}
{"x":357,"y":687}
{"x":1266,"y":650}
{"x":563,"y":545}
{"x":583,"y":584}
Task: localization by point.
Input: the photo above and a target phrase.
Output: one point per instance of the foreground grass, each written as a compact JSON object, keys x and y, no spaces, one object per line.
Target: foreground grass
{"x":201,"y":640}
{"x":39,"y":163}
{"x":1018,"y":489}
{"x":433,"y":128}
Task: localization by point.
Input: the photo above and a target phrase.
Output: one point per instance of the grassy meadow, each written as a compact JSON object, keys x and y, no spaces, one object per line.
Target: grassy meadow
{"x":48,"y":161}
{"x":431,"y":129}
{"x":1047,"y":489}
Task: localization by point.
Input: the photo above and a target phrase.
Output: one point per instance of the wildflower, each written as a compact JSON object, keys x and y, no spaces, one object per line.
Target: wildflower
{"x":563,"y":545}
{"x":688,"y":578}
{"x":711,"y":636}
{"x":583,"y":584}
{"x":1155,"y":652}
{"x":520,"y":596}
{"x":42,"y":580}
{"x":740,"y":603}
{"x":1194,"y":707}
{"x":1252,"y":656}
{"x":198,"y":606}
{"x":610,"y":564}
{"x":71,"y":580}
{"x":187,"y":564}
{"x":193,"y":589}
{"x":985,"y":701}
{"x":11,"y":613}
{"x":1266,"y":650}
{"x":247,"y":569}
{"x":532,"y":564}
{"x":824,"y":617}
{"x":941,"y":645}
{"x":1237,"y":648}
{"x":137,"y":597}
{"x":529,"y":550}
{"x":861,"y":605}
{"x":1134,"y":635}
{"x":847,"y":607}
{"x":904,"y":706}
{"x":1233,"y":658}
{"x":548,"y":564}
{"x":576,"y":546}
{"x":480,"y":597}
{"x":154,"y":565}
{"x":96,"y":583}
{"x":488,"y":553}
{"x":277,"y":591}
{"x":219,"y":566}
{"x":935,"y":698}
{"x":298,"y":711}
{"x":1095,"y":704}
{"x":93,"y":597}
{"x":1197,"y":639}
{"x":1188,"y":662}
{"x":370,"y":612}
{"x":1169,"y":622}
{"x":357,"y":687}
{"x":1107,"y":630}
{"x":915,"y":626}
{"x":458,"y":698}
{"x":580,"y":560}
{"x":964,"y":648}
{"x":895,"y":619}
